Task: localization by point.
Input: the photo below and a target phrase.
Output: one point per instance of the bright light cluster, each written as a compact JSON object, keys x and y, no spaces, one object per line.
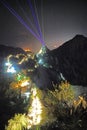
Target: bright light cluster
{"x":18,"y":59}
{"x":24,"y":83}
{"x":34,"y":115}
{"x":10,"y":68}
{"x":42,"y":51}
{"x":22,"y":79}
{"x":21,"y":58}
{"x":40,"y":61}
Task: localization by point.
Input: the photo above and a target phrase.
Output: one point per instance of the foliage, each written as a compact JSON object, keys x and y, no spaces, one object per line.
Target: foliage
{"x":19,"y":122}
{"x":55,"y":102}
{"x":80,"y":102}
{"x":64,"y":92}
{"x":61,"y":110}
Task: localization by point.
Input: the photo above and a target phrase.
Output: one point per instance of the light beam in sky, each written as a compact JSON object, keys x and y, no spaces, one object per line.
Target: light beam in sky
{"x":21,"y":20}
{"x":35,"y":20}
{"x":28,"y":19}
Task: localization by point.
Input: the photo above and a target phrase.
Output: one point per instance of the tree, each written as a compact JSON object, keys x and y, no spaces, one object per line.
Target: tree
{"x":18,"y":122}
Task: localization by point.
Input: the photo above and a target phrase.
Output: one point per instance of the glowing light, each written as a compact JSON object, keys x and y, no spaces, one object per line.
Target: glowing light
{"x":41,"y":51}
{"x":24,"y":83}
{"x":35,"y":110}
{"x":27,"y":50}
{"x":62,"y":77}
{"x":27,"y":94}
{"x":7,"y":64}
{"x":40,"y":61}
{"x":80,"y":102}
{"x":11,"y":70}
{"x":25,"y":58}
{"x":21,"y":77}
{"x":34,"y":92}
{"x":21,"y":61}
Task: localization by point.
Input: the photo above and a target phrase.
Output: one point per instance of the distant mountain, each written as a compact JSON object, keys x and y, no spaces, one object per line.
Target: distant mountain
{"x":7,"y":50}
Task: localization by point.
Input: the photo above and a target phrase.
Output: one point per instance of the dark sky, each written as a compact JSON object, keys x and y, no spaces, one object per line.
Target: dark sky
{"x":60,"y":20}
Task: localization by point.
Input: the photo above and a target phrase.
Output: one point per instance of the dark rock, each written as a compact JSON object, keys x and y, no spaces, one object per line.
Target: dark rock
{"x":69,"y":62}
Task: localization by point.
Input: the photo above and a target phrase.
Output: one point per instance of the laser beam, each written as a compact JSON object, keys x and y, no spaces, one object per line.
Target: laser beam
{"x":28,"y":19}
{"x":35,"y":20}
{"x":21,"y":20}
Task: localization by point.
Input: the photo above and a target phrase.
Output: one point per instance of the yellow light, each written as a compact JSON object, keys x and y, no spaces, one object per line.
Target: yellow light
{"x":27,"y":50}
{"x":24,"y":83}
{"x":34,"y":92}
{"x":40,"y":51}
{"x":21,"y":61}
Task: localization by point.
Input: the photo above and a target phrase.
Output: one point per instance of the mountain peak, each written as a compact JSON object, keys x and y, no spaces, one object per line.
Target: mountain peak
{"x":80,"y":37}
{"x":43,"y":50}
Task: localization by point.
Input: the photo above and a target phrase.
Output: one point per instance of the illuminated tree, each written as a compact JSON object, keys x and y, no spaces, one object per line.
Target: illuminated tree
{"x":35,"y":110}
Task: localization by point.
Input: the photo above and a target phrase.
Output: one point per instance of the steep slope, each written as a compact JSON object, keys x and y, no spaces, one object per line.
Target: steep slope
{"x":71,"y":60}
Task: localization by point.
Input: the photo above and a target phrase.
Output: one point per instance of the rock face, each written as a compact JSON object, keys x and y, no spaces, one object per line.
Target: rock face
{"x":72,"y":60}
{"x":69,"y":61}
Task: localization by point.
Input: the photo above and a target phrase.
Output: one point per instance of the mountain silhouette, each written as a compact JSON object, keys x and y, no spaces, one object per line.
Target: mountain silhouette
{"x":67,"y":62}
{"x":7,"y":50}
{"x":70,"y":59}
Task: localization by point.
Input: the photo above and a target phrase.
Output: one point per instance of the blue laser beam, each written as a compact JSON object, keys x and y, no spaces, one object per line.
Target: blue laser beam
{"x":34,"y":16}
{"x":35,"y":20}
{"x":28,"y":19}
{"x":21,"y":20}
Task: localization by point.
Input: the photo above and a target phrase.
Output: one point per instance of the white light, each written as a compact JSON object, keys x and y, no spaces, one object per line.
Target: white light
{"x":7,"y":64}
{"x":27,"y":94}
{"x":25,"y":83}
{"x":62,"y":77}
{"x":40,"y":61}
{"x":11,"y":70}
{"x":35,"y":111}
{"x":40,"y":51}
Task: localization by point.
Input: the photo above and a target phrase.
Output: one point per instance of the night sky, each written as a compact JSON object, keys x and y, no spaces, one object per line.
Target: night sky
{"x":60,"y":20}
